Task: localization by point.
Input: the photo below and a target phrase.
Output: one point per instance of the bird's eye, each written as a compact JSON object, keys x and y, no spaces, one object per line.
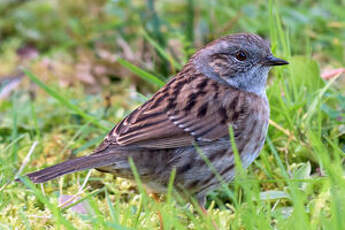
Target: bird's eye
{"x":241,"y":55}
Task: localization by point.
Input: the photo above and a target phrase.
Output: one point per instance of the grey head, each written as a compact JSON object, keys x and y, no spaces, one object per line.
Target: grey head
{"x":240,"y":60}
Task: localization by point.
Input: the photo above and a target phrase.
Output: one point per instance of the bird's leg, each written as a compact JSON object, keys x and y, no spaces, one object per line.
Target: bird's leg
{"x":201,"y":203}
{"x":204,"y":211}
{"x":156,"y":198}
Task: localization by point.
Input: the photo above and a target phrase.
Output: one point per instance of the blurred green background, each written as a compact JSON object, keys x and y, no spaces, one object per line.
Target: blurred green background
{"x":71,"y":32}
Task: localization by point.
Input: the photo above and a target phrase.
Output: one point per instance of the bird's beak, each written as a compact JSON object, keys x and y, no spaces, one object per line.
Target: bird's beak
{"x":273,"y":61}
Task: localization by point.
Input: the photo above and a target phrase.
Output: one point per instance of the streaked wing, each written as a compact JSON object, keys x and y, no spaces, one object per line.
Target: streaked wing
{"x":188,"y":108}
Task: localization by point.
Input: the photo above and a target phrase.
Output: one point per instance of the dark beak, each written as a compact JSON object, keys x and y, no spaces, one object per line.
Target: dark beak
{"x":273,"y":61}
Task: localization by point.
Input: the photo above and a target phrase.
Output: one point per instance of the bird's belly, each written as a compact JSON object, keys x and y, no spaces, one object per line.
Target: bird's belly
{"x":222,"y":159}
{"x":251,"y":147}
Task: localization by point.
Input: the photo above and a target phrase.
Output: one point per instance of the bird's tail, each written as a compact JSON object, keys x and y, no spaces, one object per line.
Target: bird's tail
{"x":74,"y":165}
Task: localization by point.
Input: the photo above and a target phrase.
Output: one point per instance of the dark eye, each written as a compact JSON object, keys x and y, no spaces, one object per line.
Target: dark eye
{"x":241,"y":55}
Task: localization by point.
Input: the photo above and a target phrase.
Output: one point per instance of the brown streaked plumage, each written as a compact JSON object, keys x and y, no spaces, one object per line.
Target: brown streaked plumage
{"x":222,"y":84}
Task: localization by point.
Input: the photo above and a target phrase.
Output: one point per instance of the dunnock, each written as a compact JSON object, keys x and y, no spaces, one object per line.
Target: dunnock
{"x":222,"y":84}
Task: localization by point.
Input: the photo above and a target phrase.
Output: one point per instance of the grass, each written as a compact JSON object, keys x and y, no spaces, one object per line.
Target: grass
{"x":296,"y":183}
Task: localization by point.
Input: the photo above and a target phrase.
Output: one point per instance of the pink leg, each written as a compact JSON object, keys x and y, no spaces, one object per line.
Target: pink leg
{"x":156,"y":198}
{"x":204,"y":211}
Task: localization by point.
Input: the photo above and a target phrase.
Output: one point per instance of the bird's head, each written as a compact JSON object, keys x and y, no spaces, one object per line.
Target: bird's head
{"x":240,"y":60}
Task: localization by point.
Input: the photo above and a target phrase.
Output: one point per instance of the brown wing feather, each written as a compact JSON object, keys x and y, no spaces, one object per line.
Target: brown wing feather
{"x":206,"y":116}
{"x":149,"y":125}
{"x":190,"y":107}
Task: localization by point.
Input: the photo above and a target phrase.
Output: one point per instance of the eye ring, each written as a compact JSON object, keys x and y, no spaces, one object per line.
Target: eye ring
{"x":241,"y":55}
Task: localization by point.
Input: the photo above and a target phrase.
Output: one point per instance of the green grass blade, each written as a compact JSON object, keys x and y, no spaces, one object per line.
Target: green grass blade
{"x":56,"y":213}
{"x":65,"y":101}
{"x":141,"y":73}
{"x":160,"y":50}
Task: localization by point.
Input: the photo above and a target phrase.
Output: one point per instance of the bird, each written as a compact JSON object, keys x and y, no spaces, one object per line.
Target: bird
{"x":222,"y":85}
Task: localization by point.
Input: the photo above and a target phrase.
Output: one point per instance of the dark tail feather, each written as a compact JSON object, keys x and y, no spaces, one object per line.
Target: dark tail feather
{"x":74,"y":165}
